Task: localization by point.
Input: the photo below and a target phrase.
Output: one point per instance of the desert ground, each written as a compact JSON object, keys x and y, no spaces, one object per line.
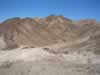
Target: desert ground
{"x":37,"y":61}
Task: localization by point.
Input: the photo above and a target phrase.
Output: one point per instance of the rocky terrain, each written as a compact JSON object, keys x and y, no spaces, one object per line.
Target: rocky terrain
{"x":54,"y":45}
{"x":39,"y":32}
{"x":36,"y":31}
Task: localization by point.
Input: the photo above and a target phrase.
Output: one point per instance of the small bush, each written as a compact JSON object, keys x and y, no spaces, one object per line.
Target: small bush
{"x":46,"y":49}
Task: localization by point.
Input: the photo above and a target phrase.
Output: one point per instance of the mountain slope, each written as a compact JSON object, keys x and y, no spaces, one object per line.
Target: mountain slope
{"x":39,"y":32}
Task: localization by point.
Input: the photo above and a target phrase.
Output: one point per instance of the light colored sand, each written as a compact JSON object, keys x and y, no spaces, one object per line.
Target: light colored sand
{"x":32,"y":54}
{"x":36,"y":61}
{"x":2,"y":43}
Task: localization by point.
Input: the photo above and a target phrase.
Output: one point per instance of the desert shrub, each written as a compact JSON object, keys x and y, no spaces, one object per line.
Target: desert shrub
{"x":46,"y":49}
{"x":65,"y":52}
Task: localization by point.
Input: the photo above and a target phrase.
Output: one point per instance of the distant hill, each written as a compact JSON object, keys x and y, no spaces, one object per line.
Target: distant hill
{"x":37,"y":32}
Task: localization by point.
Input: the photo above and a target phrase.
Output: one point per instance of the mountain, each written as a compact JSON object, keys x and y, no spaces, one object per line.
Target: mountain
{"x":39,"y":32}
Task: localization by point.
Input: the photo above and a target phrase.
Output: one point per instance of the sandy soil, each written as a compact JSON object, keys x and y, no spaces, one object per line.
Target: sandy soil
{"x":36,"y":61}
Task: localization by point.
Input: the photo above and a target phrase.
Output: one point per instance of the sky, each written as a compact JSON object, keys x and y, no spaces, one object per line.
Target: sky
{"x":73,"y":9}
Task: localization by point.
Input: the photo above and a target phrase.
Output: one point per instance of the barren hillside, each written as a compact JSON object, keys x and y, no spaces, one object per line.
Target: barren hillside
{"x":41,"y":32}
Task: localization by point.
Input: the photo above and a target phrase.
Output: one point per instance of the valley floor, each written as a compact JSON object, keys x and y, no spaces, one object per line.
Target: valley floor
{"x":36,"y":61}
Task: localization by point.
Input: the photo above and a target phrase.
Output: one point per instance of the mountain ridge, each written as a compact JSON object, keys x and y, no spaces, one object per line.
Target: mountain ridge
{"x":39,"y":32}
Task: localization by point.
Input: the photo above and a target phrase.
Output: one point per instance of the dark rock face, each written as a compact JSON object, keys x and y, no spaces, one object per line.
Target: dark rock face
{"x":36,"y":32}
